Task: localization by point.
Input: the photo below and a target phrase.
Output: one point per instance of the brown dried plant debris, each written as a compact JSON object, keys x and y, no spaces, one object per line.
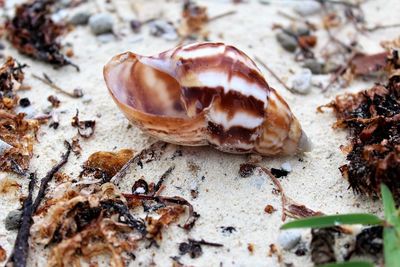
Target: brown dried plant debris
{"x":104,"y":165}
{"x":8,"y":185}
{"x":16,"y":131}
{"x":34,"y":33}
{"x":373,"y":120}
{"x":3,"y":254}
{"x":80,"y":225}
{"x":194,"y":19}
{"x":85,"y":128}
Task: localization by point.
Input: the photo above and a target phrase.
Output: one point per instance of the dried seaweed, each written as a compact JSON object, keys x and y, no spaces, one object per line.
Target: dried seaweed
{"x":85,"y":128}
{"x":80,"y":225}
{"x":369,"y":241}
{"x":373,"y":119}
{"x":322,"y":246}
{"x":20,"y":251}
{"x":18,"y":132}
{"x":34,"y":33}
{"x":193,"y":247}
{"x":300,"y":211}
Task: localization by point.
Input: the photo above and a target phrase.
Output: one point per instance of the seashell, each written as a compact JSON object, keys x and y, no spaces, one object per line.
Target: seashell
{"x":204,"y":93}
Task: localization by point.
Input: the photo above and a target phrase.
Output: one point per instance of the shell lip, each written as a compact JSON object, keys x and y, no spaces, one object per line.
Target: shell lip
{"x":116,"y":61}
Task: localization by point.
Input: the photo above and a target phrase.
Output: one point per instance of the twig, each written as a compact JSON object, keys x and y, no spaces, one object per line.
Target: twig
{"x":280,"y":188}
{"x":20,"y":251}
{"x":45,"y":180}
{"x":158,"y":186}
{"x":292,"y":18}
{"x":165,"y":200}
{"x":273,"y":74}
{"x":203,"y":242}
{"x":222,"y":15}
{"x":379,"y":27}
{"x":134,"y":160}
{"x":50,"y":83}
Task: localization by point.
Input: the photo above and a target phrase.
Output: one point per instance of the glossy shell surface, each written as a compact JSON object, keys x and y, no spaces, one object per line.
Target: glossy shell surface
{"x":204,"y":93}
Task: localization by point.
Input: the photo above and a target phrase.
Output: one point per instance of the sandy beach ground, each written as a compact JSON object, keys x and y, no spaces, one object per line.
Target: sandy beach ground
{"x":224,"y":199}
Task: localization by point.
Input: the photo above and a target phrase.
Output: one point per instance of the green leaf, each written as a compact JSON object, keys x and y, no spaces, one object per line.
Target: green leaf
{"x":348,"y":264}
{"x":391,"y":232}
{"x":389,"y":206}
{"x":391,"y":247}
{"x":333,"y":220}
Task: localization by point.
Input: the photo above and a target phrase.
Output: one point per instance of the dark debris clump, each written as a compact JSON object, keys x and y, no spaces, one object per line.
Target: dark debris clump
{"x":373,"y":119}
{"x":34,"y":33}
{"x":17,"y":134}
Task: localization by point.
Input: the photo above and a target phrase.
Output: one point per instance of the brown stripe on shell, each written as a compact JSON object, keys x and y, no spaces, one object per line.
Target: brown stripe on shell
{"x":225,"y":65}
{"x":233,"y":135}
{"x":229,"y":103}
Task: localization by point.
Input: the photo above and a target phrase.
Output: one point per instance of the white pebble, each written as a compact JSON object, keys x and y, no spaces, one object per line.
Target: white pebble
{"x":288,"y":239}
{"x":301,"y":82}
{"x":307,"y":8}
{"x":101,"y":23}
{"x":29,"y":111}
{"x":4,"y":147}
{"x":286,"y":166}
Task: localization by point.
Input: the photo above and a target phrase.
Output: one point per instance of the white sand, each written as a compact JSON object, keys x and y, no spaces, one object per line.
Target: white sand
{"x":224,"y":198}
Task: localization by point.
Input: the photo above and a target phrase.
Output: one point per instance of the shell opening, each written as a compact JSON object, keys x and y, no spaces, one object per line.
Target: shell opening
{"x":144,"y":88}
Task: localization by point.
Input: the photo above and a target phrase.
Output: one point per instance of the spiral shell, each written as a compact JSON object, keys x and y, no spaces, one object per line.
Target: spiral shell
{"x":204,"y":93}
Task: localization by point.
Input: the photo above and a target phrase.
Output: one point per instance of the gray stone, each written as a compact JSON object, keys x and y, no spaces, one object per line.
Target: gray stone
{"x":307,"y":8}
{"x":80,"y":18}
{"x":13,"y":220}
{"x":101,"y":23}
{"x":314,"y":65}
{"x":301,"y":82}
{"x":288,"y":239}
{"x":288,"y":42}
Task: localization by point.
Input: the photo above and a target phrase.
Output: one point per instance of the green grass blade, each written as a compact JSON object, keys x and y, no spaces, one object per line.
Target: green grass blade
{"x":392,"y":215}
{"x":391,"y":247}
{"x":333,"y":220}
{"x":388,"y":205}
{"x":348,"y":264}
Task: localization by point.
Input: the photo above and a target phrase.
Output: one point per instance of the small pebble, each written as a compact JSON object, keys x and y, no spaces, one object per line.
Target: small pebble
{"x":24,"y":102}
{"x":106,"y":38}
{"x":307,"y":8}
{"x":288,"y":42}
{"x":330,"y":67}
{"x":101,"y":23}
{"x":164,"y":29}
{"x":4,"y":146}
{"x":80,"y":18}
{"x":286,"y":166}
{"x":301,"y":31}
{"x":288,"y":239}
{"x":301,"y":82}
{"x":29,"y":111}
{"x":13,"y":220}
{"x":87,"y":99}
{"x":315,"y":66}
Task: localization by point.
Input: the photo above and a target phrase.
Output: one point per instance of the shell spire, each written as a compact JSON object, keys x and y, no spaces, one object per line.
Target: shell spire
{"x":204,"y":93}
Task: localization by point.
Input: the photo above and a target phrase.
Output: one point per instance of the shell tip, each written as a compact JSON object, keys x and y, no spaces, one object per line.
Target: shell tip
{"x":305,"y":144}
